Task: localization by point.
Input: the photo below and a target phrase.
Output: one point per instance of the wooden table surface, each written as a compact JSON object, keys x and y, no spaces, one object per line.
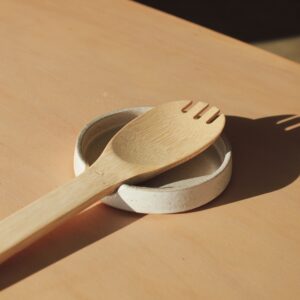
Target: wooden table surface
{"x":64,"y":62}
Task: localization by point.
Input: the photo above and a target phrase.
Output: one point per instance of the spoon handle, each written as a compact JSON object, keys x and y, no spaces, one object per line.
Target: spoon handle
{"x":25,"y":226}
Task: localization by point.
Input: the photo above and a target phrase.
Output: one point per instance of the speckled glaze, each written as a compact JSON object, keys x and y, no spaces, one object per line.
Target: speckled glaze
{"x":180,"y":189}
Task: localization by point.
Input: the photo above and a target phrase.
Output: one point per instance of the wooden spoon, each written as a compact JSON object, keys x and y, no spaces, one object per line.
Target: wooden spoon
{"x":160,"y":139}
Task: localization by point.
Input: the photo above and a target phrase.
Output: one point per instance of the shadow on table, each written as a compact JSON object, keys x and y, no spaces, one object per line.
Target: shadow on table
{"x":266,"y":157}
{"x":86,"y":228}
{"x":250,"y":21}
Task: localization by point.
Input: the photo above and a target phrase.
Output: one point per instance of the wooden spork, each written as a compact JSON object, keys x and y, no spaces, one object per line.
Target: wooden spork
{"x":156,"y":141}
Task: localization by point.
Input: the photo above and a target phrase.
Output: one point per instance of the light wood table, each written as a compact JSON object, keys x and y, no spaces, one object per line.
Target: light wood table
{"x":63,"y":63}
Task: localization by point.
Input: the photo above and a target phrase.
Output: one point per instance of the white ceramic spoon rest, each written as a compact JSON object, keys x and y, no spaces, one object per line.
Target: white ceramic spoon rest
{"x":185,"y":187}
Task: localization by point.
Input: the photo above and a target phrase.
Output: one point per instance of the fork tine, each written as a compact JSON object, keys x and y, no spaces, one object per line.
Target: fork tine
{"x":187,"y":106}
{"x":195,"y":109}
{"x":210,"y":114}
{"x":219,"y":120}
{"x":198,"y":109}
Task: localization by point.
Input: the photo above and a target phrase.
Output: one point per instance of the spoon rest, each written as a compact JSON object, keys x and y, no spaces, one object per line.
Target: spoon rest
{"x":183,"y":188}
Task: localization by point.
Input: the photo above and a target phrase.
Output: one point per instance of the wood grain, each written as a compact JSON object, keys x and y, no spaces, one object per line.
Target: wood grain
{"x":63,"y":63}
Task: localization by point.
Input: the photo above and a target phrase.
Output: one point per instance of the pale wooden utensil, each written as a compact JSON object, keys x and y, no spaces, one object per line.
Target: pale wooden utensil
{"x":160,"y":139}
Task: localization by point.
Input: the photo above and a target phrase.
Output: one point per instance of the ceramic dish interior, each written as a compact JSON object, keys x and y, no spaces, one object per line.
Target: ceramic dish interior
{"x":182,"y":188}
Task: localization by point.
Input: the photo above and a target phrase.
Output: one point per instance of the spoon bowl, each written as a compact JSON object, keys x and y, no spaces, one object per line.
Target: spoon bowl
{"x":166,"y":136}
